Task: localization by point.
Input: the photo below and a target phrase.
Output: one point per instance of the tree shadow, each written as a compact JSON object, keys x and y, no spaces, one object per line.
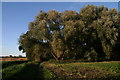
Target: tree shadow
{"x":31,"y":71}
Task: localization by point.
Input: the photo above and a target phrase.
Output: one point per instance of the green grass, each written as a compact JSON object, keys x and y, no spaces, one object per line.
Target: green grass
{"x":87,"y":70}
{"x":48,"y":74}
{"x":10,"y":71}
{"x":11,"y":63}
{"x":112,"y":66}
{"x":52,"y":70}
{"x":27,"y":70}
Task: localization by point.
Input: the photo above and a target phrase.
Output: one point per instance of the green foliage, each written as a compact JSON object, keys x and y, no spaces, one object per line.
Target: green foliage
{"x":57,"y":44}
{"x":93,"y":34}
{"x":91,"y":55}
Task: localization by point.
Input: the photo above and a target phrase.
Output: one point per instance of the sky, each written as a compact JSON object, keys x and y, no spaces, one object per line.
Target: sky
{"x":17,"y":15}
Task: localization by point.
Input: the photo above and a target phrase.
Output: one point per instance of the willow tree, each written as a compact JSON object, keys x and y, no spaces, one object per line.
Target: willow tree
{"x":92,"y":33}
{"x":107,"y":30}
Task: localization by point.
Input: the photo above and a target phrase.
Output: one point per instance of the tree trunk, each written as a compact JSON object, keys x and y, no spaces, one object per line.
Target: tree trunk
{"x":54,"y":56}
{"x":61,"y":56}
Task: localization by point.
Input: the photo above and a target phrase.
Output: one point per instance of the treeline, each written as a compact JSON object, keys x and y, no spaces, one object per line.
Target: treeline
{"x":92,"y":34}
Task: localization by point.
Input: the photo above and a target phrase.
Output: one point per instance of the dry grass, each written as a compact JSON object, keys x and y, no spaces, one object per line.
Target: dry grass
{"x":13,"y":59}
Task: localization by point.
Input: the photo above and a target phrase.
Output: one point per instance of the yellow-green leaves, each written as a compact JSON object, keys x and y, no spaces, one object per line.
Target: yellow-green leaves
{"x":94,"y":31}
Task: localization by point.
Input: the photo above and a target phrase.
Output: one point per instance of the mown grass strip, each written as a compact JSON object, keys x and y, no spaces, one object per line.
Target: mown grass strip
{"x":11,"y":63}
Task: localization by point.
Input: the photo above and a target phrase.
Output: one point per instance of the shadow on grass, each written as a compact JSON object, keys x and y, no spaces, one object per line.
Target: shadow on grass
{"x":29,"y":72}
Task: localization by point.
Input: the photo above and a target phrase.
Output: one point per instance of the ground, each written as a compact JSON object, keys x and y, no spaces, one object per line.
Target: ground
{"x":84,"y":70}
{"x":12,"y":59}
{"x":60,"y":70}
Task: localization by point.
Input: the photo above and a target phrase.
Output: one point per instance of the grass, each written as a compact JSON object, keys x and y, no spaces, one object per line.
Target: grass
{"x":48,"y":74}
{"x":13,"y":59}
{"x":109,"y":66}
{"x":11,"y":63}
{"x":85,"y":70}
{"x":10,"y":71}
{"x":52,"y":70}
{"x":26,"y":70}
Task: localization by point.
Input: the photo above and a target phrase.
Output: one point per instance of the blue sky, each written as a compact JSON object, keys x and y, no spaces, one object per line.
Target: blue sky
{"x":17,"y":15}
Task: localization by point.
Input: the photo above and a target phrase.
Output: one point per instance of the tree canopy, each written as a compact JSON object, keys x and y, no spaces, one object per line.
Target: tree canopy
{"x":92,"y":34}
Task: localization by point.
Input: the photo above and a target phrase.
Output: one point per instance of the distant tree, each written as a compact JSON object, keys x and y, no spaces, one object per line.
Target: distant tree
{"x":10,"y":56}
{"x":14,"y":56}
{"x":20,"y":56}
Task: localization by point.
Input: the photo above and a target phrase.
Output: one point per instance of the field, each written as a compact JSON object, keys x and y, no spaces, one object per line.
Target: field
{"x":63,"y":70}
{"x":77,"y":70}
{"x":12,"y":59}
